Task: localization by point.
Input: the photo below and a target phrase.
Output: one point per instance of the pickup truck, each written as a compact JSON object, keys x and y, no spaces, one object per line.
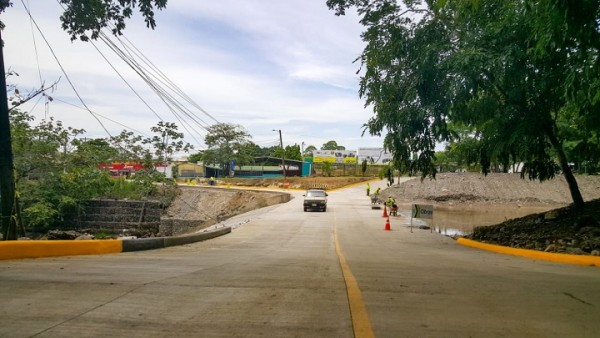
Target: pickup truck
{"x":315,"y":199}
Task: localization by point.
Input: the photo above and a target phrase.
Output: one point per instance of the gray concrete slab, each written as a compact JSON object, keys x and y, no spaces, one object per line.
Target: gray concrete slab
{"x":277,"y":274}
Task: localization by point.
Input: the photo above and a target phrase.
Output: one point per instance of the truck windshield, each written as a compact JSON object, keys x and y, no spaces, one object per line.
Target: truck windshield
{"x":315,"y":194}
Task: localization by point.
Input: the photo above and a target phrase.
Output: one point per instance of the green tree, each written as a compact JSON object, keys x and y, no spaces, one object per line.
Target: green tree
{"x":363,"y":167}
{"x":84,"y":19}
{"x":290,"y":152}
{"x":129,"y":146}
{"x":225,"y":142}
{"x":327,"y":169}
{"x":92,"y":152}
{"x":55,"y":172}
{"x":196,"y":157}
{"x":332,"y":145}
{"x":582,"y":144}
{"x":32,"y":156}
{"x":42,"y":149}
{"x":505,"y":69}
{"x":248,"y":151}
{"x":309,"y":150}
{"x":80,"y":19}
{"x":54,"y":133}
{"x":254,"y":150}
{"x":167,"y":141}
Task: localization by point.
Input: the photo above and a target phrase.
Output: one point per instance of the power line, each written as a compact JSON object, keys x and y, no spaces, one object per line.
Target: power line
{"x":165,"y":89}
{"x":167,"y":98}
{"x":62,"y":68}
{"x":102,"y":116}
{"x":173,"y":85}
{"x":172,"y":104}
{"x":127,"y":83}
{"x":37,"y":59}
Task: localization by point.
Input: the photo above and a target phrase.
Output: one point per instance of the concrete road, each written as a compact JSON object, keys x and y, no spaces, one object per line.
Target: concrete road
{"x":286,"y":273}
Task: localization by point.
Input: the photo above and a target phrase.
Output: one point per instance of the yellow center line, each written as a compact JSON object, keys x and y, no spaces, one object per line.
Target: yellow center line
{"x":360,"y":318}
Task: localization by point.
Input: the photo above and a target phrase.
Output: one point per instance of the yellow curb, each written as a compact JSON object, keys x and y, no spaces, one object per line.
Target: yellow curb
{"x":534,"y":254}
{"x":37,"y":249}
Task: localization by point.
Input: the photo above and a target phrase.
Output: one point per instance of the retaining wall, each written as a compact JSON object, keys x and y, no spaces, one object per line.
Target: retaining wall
{"x":116,"y":216}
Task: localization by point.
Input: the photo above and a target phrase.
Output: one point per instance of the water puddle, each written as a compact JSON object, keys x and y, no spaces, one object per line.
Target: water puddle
{"x":458,"y":220}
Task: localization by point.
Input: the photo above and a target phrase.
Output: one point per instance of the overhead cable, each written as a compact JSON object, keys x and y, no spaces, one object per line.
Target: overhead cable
{"x":63,"y":70}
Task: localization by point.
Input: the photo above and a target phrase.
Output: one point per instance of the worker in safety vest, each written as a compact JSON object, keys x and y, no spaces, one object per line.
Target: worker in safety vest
{"x":391,"y":203}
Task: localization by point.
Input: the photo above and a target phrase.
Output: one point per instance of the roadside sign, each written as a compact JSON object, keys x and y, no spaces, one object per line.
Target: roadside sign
{"x":422,"y":211}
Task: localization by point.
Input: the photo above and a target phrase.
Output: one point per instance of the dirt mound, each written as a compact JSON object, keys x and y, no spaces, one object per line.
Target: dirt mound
{"x":208,"y":206}
{"x":563,"y":230}
{"x":493,"y":188}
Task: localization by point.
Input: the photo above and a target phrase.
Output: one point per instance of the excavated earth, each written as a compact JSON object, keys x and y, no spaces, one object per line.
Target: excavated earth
{"x":560,"y":228}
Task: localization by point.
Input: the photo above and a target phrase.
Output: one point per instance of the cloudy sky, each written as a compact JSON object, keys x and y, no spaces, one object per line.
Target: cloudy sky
{"x":262,"y":64}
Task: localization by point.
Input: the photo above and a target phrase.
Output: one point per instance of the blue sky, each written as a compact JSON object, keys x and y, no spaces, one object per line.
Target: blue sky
{"x":265,"y":65}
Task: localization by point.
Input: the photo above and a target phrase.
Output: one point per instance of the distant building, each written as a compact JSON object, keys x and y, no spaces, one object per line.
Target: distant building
{"x":190,"y":170}
{"x":129,"y":169}
{"x":267,"y":166}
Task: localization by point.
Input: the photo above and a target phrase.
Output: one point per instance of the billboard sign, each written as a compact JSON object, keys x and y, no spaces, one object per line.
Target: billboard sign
{"x":374,"y":156}
{"x":334,"y":156}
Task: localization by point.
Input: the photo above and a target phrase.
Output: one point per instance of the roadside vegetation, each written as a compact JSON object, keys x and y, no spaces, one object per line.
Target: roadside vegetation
{"x":514,"y":82}
{"x":505,"y":84}
{"x":56,"y":171}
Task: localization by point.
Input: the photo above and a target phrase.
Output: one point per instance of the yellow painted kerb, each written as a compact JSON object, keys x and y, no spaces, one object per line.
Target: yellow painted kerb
{"x":547,"y":256}
{"x":37,"y":249}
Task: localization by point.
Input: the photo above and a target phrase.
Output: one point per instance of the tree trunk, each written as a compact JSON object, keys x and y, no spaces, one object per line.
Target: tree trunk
{"x":7,"y":179}
{"x":569,"y":177}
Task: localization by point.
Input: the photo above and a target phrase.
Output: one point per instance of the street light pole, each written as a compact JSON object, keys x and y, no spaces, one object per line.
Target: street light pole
{"x":282,"y":153}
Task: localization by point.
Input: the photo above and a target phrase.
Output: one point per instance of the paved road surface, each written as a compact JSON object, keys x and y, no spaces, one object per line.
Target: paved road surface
{"x":286,"y":273}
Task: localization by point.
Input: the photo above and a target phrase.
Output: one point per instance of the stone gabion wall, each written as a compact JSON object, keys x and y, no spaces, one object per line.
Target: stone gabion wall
{"x":117,"y":216}
{"x":175,"y":227}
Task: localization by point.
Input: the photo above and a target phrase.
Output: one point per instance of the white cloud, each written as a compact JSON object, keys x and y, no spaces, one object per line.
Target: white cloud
{"x":265,"y":65}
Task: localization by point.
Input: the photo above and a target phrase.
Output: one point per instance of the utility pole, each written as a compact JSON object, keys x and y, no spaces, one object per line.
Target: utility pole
{"x":282,"y":153}
{"x":7,"y":178}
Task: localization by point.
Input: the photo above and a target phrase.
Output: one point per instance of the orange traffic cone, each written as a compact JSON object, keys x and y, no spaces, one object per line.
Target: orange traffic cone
{"x":387,"y":225}
{"x":385,"y":214}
